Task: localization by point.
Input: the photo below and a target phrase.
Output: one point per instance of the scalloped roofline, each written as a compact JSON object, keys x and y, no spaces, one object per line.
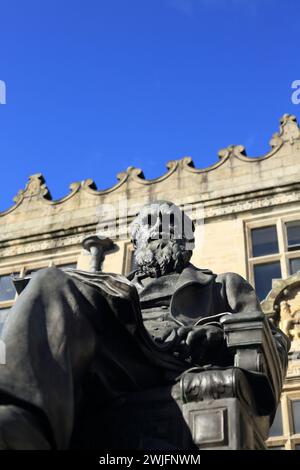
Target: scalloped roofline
{"x":36,"y":187}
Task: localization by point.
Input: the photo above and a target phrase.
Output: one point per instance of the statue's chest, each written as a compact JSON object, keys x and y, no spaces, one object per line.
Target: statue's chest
{"x":155,"y":298}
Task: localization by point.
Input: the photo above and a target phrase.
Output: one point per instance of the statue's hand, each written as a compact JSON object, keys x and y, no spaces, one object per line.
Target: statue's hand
{"x":201,"y":342}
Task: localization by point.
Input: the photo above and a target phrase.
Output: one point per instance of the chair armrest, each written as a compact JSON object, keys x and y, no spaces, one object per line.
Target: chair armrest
{"x":249,"y":336}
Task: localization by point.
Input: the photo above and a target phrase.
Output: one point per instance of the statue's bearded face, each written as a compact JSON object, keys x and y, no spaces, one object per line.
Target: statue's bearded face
{"x":159,"y":257}
{"x":159,"y":247}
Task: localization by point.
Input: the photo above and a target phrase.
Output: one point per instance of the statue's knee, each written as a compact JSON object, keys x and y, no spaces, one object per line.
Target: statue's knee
{"x":19,"y":430}
{"x":49,"y":277}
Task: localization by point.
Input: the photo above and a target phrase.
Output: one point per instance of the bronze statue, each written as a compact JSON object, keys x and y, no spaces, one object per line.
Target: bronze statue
{"x":80,"y":342}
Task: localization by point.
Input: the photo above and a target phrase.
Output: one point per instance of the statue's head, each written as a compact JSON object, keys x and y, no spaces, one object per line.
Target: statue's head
{"x":163,"y":238}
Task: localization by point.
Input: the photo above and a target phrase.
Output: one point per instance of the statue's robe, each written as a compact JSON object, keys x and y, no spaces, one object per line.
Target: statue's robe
{"x":67,"y":326}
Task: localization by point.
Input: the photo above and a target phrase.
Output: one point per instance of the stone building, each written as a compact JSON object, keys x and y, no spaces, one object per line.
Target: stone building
{"x":251,"y":213}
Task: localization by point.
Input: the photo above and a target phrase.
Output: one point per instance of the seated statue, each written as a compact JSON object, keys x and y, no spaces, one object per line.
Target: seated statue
{"x":79,"y":342}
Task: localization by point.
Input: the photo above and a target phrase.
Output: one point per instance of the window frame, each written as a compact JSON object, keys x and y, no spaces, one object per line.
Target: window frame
{"x":262,"y":227}
{"x":283,"y":255}
{"x":127,"y":260}
{"x":26,"y":266}
{"x":9,"y":302}
{"x":289,"y":439}
{"x":286,"y":235}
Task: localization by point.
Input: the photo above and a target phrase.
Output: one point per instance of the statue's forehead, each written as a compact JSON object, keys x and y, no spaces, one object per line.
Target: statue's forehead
{"x":156,"y":209}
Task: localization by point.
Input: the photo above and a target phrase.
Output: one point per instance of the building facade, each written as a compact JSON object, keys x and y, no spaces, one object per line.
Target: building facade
{"x":247,"y":214}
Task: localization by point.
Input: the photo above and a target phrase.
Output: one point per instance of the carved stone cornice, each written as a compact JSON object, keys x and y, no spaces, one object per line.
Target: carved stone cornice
{"x":46,"y":241}
{"x":36,"y":189}
{"x":248,"y":202}
{"x":73,"y":236}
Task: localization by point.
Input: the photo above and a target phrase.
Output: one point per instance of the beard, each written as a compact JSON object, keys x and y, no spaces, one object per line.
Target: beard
{"x":160,"y":257}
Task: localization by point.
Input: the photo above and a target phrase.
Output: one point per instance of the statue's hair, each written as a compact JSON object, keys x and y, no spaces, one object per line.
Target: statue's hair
{"x":163,"y":220}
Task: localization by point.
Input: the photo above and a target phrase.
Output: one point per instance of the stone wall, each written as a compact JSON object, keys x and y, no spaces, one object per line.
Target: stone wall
{"x":231,"y":192}
{"x":232,"y":196}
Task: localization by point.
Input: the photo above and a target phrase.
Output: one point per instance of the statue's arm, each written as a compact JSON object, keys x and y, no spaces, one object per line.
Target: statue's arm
{"x":242,"y":300}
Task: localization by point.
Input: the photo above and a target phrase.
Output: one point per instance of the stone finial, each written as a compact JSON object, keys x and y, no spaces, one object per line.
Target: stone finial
{"x":36,"y":188}
{"x":181,"y":163}
{"x":289,"y":132}
{"x":131,"y":172}
{"x":232,"y":150}
{"x":288,"y":118}
{"x":97,"y":247}
{"x":289,"y":129}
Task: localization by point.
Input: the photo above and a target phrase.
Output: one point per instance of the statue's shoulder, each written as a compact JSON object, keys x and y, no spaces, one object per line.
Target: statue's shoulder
{"x":230,"y":277}
{"x":225,"y":278}
{"x":233,"y":282}
{"x":236,"y":286}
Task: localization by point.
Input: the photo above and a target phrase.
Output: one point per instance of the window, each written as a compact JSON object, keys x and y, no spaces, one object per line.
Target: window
{"x":274,"y":251}
{"x":7,"y":290}
{"x":11,"y":285}
{"x":7,"y":287}
{"x":296,"y":415}
{"x":264,"y":241}
{"x":293,"y":245}
{"x":294,"y":265}
{"x":285,"y":430}
{"x":263,"y":276}
{"x":67,"y":266}
{"x":31,"y":272}
{"x":293,"y":235}
{"x":276,"y":428}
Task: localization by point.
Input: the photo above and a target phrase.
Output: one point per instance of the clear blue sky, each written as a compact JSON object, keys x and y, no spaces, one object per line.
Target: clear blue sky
{"x":94,"y":86}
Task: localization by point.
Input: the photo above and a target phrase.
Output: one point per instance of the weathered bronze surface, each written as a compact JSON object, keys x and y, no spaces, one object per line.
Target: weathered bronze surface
{"x":172,"y":357}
